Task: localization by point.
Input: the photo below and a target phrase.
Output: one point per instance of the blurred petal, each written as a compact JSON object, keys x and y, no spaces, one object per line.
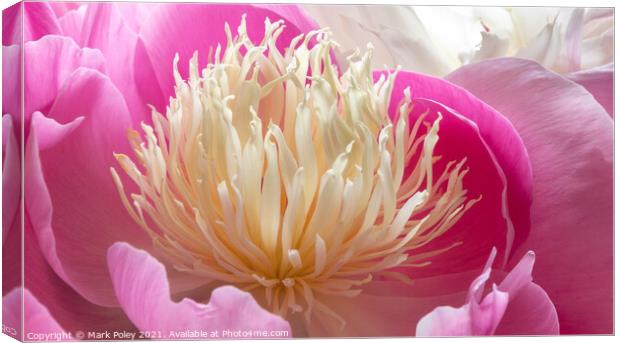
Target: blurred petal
{"x":11,"y":81}
{"x":104,"y":29}
{"x":11,"y":175}
{"x":600,"y":83}
{"x":569,"y":136}
{"x":48,"y":63}
{"x":396,"y":32}
{"x":143,"y":291}
{"x":55,"y":294}
{"x":12,"y":28}
{"x":558,"y":45}
{"x":39,"y":20}
{"x":38,"y":319}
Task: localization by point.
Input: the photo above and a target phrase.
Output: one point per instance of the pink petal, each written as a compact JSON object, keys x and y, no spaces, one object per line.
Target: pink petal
{"x":465,"y":320}
{"x":61,"y":8}
{"x":475,"y":318}
{"x":600,"y":83}
{"x":171,"y":29}
{"x":38,"y":319}
{"x":11,"y":175}
{"x":12,"y":27}
{"x":392,"y":307}
{"x":72,"y":311}
{"x":104,"y":28}
{"x":11,"y":81}
{"x":497,"y":132}
{"x":12,"y":256}
{"x":39,"y":20}
{"x":531,"y":312}
{"x":484,"y":225}
{"x":569,"y":137}
{"x":49,"y":62}
{"x":71,"y":23}
{"x":517,"y":306}
{"x":143,"y":291}
{"x":71,"y":199}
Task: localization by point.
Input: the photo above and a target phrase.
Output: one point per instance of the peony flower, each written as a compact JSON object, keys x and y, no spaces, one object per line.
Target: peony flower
{"x":217,"y":167}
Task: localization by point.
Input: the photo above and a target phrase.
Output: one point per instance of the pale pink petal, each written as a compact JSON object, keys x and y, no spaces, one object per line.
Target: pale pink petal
{"x":49,"y":61}
{"x":38,"y":319}
{"x":600,"y":83}
{"x":497,"y":132}
{"x":475,"y":318}
{"x":469,"y":320}
{"x":143,"y":291}
{"x":569,"y":136}
{"x":61,"y":8}
{"x":171,"y":29}
{"x":70,"y":196}
{"x":39,"y":20}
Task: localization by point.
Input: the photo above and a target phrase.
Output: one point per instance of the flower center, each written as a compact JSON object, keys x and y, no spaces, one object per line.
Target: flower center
{"x":270,"y":171}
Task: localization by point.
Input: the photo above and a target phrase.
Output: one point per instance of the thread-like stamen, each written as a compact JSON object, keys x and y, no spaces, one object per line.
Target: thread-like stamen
{"x":271,"y":172}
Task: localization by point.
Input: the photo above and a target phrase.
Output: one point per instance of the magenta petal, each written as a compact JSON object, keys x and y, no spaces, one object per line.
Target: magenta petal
{"x":39,"y":20}
{"x":171,"y":29}
{"x":10,"y":175}
{"x":38,"y":319}
{"x":600,"y":83}
{"x":12,"y":25}
{"x":11,"y":81}
{"x":143,"y":291}
{"x":486,"y":224}
{"x":49,"y":61}
{"x":569,"y":136}
{"x":496,"y":131}
{"x":75,"y":228}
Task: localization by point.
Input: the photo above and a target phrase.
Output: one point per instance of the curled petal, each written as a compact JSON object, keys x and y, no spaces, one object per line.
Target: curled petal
{"x":77,"y":156}
{"x":143,"y":292}
{"x":497,"y":133}
{"x":48,"y":63}
{"x":516,"y":295}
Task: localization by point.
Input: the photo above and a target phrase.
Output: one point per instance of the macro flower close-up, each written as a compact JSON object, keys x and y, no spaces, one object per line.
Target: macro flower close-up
{"x":230,"y":171}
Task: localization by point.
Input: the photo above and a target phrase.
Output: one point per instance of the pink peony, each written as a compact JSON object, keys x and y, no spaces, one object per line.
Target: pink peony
{"x":501,"y":155}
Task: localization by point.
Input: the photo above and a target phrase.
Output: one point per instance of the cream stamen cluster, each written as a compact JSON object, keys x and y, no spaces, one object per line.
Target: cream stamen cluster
{"x":274,"y":173}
